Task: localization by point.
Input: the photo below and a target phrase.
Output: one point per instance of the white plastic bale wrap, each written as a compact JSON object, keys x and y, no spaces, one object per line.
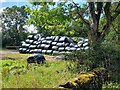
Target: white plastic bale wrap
{"x":67,"y":44}
{"x":55,"y":52}
{"x":30,"y":37}
{"x":85,"y":44}
{"x":27,"y":40}
{"x":30,"y":41}
{"x":42,"y":45}
{"x":49,"y":51}
{"x":72,"y":49}
{"x":67,"y":48}
{"x":36,"y":37}
{"x":47,"y":47}
{"x":44,"y":41}
{"x":24,"y":45}
{"x":49,"y":38}
{"x":54,"y":47}
{"x":38,"y":46}
{"x":57,"y":38}
{"x":37,"y":51}
{"x":61,"y":49}
{"x":71,"y":45}
{"x":49,"y":42}
{"x":62,"y":39}
{"x":33,"y":46}
{"x":54,"y":43}
{"x":35,"y":43}
{"x":28,"y":50}
{"x":44,"y":51}
{"x":61,"y":44}
{"x":78,"y":49}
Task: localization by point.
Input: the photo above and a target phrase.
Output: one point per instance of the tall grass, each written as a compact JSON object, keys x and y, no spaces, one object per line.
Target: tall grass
{"x":49,"y":75}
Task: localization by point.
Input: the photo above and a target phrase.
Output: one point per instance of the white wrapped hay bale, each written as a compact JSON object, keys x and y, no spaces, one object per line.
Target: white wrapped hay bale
{"x":72,"y":49}
{"x":31,"y":51}
{"x":56,"y":38}
{"x":35,"y":43}
{"x":55,"y":52}
{"x":61,"y":49}
{"x":23,"y":50}
{"x":67,"y":44}
{"x":54,"y":47}
{"x":86,"y":40}
{"x":44,"y":51}
{"x":71,"y":45}
{"x":67,"y":48}
{"x":42,"y":38}
{"x":62,"y":39}
{"x":46,"y":47}
{"x":76,"y":46}
{"x":54,"y":43}
{"x":44,"y":41}
{"x":20,"y":50}
{"x":85,"y":44}
{"x":33,"y":46}
{"x":38,"y":46}
{"x":36,"y":37}
{"x":39,"y":42}
{"x":78,"y":49}
{"x":49,"y":38}
{"x":42,"y":45}
{"x":24,"y":45}
{"x":37,"y":50}
{"x":49,"y":51}
{"x":28,"y":50}
{"x":30,"y":41}
{"x":27,"y":41}
{"x":80,"y":43}
{"x":86,"y":48}
{"x":30,"y":37}
{"x":49,"y":42}
{"x":59,"y":44}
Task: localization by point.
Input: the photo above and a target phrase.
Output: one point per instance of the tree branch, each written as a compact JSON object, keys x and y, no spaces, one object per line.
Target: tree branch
{"x":117,"y":12}
{"x":92,"y":11}
{"x":108,"y":17}
{"x":80,"y":15}
{"x":99,"y":10}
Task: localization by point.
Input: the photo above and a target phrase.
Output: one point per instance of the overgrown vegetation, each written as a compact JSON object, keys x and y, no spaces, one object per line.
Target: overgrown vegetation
{"x":96,"y":20}
{"x":106,"y":56}
{"x":16,"y":75}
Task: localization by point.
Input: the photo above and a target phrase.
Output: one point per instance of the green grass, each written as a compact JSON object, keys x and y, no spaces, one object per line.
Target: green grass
{"x":15,"y":73}
{"x":49,"y":75}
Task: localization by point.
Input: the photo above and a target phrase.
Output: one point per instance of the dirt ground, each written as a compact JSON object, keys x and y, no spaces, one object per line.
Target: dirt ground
{"x":5,"y":53}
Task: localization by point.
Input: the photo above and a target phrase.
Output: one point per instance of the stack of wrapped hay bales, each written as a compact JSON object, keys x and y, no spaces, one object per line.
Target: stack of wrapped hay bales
{"x":51,"y":45}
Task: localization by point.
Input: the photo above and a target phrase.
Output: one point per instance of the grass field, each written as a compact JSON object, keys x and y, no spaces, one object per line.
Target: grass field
{"x":15,"y":73}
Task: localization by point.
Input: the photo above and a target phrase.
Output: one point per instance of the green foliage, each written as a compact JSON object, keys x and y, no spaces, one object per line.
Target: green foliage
{"x":12,"y":21}
{"x":13,"y":67}
{"x":48,"y":75}
{"x":107,"y":56}
{"x":56,"y":19}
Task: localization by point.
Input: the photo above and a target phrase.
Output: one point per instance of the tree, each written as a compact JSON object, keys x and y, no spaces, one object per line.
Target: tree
{"x":91,"y":15}
{"x":96,"y":10}
{"x":54,"y":19}
{"x":12,"y":21}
